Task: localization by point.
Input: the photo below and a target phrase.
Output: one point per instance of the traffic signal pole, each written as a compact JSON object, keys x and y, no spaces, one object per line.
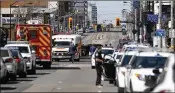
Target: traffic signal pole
{"x":140,"y":36}
{"x":135,"y":12}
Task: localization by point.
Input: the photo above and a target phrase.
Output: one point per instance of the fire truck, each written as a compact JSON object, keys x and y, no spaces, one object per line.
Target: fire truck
{"x":39,"y":37}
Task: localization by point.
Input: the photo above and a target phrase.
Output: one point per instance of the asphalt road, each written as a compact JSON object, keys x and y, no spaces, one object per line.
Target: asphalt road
{"x":62,"y":77}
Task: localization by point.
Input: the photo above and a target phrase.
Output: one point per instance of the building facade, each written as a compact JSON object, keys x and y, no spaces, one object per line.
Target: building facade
{"x":94,"y":14}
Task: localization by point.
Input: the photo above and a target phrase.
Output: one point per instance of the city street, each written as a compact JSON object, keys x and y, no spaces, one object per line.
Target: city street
{"x":62,"y":77}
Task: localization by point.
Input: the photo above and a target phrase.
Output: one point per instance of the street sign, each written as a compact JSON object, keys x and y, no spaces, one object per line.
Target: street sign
{"x":160,"y":32}
{"x":172,"y":33}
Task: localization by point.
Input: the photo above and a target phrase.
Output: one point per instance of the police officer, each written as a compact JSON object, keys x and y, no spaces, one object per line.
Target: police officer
{"x":72,"y":51}
{"x":98,"y":63}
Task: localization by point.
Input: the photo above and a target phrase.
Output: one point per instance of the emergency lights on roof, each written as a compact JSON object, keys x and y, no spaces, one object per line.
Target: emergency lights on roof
{"x":17,"y":42}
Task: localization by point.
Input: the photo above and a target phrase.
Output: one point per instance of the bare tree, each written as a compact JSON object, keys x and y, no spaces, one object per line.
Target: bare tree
{"x":23,"y":13}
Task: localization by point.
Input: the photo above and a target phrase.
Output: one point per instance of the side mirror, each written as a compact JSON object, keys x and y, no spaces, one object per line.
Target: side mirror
{"x":174,"y":67}
{"x":33,"y":52}
{"x":156,"y":71}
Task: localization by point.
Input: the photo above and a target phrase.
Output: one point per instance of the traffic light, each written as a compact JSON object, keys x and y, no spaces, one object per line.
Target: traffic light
{"x":117,"y":21}
{"x":70,"y":23}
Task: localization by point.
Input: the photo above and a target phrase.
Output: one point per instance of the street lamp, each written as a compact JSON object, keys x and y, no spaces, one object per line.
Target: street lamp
{"x":11,"y":5}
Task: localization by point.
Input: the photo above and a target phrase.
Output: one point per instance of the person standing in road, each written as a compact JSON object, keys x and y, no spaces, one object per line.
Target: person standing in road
{"x":98,"y":65}
{"x":72,"y":51}
{"x":92,"y":50}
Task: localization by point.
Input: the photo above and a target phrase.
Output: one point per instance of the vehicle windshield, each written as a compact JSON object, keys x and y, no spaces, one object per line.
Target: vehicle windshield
{"x":4,"y":53}
{"x":126,"y":60}
{"x":107,"y":51}
{"x":22,"y":49}
{"x":149,"y":62}
{"x":62,"y":43}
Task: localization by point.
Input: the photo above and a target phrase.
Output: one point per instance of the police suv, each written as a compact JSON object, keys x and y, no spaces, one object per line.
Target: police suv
{"x":27,"y":53}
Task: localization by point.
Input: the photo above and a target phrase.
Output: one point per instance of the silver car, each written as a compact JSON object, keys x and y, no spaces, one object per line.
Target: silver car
{"x":21,"y":62}
{"x":4,"y":71}
{"x":9,"y":62}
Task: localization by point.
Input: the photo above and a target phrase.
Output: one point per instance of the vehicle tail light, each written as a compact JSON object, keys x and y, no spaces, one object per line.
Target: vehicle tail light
{"x":164,"y":91}
{"x":18,"y":60}
{"x":123,"y":73}
{"x":9,"y":60}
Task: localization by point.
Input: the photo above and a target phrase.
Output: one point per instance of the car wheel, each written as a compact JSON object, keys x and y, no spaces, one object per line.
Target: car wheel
{"x":131,"y":89}
{"x":93,"y":67}
{"x":23,"y":75}
{"x":5,"y":79}
{"x":115,"y":83}
{"x":120,"y":90}
{"x":13,"y":77}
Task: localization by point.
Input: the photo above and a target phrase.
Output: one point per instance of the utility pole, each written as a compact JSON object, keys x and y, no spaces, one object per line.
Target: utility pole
{"x":58,"y":26}
{"x":140,"y":36}
{"x":159,"y":21}
{"x":135,"y":12}
{"x":172,"y":22}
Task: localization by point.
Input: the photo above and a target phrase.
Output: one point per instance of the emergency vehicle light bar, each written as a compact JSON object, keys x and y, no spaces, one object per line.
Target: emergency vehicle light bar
{"x":17,"y":42}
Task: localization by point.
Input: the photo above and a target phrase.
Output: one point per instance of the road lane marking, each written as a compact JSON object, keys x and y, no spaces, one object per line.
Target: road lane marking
{"x":13,"y":87}
{"x":58,"y":88}
{"x":60,"y":82}
{"x":99,"y":91}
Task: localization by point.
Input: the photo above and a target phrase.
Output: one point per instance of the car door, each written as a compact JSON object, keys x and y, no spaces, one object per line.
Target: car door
{"x":23,"y":63}
{"x":128,"y":72}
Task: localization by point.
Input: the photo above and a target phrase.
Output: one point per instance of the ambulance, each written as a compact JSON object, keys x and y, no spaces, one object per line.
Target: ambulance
{"x":60,"y":46}
{"x":39,"y":37}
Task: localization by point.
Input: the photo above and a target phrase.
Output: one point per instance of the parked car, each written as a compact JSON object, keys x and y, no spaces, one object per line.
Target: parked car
{"x":142,"y":64}
{"x":4,"y":72}
{"x":166,"y":81}
{"x":21,"y":62}
{"x":121,"y":70}
{"x":9,"y":62}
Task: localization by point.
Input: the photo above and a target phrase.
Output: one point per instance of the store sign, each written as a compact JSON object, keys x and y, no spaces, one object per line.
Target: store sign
{"x":7,"y":20}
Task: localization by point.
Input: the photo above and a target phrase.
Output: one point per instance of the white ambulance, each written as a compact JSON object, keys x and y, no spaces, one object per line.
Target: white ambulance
{"x":60,"y":47}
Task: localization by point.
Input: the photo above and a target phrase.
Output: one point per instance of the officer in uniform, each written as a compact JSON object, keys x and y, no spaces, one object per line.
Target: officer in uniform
{"x":98,"y":63}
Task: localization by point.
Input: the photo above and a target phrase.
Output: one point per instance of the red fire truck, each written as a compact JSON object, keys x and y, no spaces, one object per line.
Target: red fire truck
{"x":39,"y":37}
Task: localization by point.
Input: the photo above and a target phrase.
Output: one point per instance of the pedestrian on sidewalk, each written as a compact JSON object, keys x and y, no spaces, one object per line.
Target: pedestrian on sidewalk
{"x":72,"y":51}
{"x":98,"y":65}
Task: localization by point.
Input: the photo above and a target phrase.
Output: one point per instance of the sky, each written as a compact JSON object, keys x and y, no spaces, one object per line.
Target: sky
{"x":109,"y":10}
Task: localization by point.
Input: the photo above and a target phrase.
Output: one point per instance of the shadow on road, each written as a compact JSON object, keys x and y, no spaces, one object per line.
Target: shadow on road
{"x":68,"y":68}
{"x":7,"y":88}
{"x":58,"y":68}
{"x":24,"y":80}
{"x":12,"y":82}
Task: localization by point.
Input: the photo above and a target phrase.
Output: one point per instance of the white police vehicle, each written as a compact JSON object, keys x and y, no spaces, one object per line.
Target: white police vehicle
{"x":27,"y":53}
{"x":142,"y":65}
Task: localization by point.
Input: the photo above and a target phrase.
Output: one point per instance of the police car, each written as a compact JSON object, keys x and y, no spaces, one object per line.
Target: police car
{"x":166,"y":81}
{"x":27,"y":53}
{"x":142,"y":65}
